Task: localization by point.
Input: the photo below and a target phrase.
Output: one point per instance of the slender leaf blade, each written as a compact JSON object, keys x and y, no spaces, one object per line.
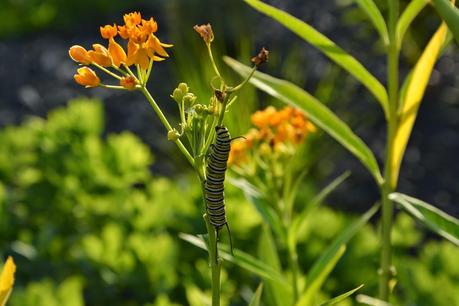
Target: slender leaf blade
{"x":413,"y":98}
{"x":255,"y":301}
{"x":450,"y":14}
{"x":316,"y":112}
{"x":315,"y":284}
{"x":434,"y":218}
{"x":371,"y":301}
{"x":341,"y":297}
{"x":328,"y":47}
{"x":407,"y":17}
{"x":370,"y":8}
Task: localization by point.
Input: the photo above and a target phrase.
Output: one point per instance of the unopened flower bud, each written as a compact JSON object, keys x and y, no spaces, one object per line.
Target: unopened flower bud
{"x":189,"y":99}
{"x":173,"y":135}
{"x":183,"y":87}
{"x":177,"y":95}
{"x":199,"y":108}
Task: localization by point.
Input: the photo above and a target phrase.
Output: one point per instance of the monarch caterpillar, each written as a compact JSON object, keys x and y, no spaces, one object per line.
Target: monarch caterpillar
{"x":215,"y":177}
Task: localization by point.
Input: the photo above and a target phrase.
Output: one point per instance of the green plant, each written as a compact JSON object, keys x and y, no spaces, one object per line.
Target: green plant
{"x":399,"y":105}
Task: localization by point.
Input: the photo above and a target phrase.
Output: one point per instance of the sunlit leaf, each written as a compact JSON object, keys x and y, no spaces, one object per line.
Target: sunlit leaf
{"x":255,"y":301}
{"x":314,"y":284}
{"x":328,"y":47}
{"x":241,"y":259}
{"x":435,"y":219}
{"x":413,"y":97}
{"x":450,"y":14}
{"x":371,"y":301}
{"x":408,"y":15}
{"x":316,"y":112}
{"x":341,"y":297}
{"x":370,"y":8}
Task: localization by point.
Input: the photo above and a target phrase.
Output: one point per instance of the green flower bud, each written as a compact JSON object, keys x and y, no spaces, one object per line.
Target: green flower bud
{"x":199,"y":108}
{"x":189,"y":99}
{"x":183,"y":87}
{"x":173,"y":135}
{"x":177,"y":95}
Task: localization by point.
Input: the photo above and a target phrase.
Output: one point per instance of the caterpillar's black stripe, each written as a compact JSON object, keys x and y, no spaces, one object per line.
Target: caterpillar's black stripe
{"x":215,"y":177}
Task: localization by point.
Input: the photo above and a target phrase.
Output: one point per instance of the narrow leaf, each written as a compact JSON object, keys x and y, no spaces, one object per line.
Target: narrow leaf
{"x":450,"y":14}
{"x":370,"y":8}
{"x":408,"y":15}
{"x":413,"y":97}
{"x":315,"y":284}
{"x":255,"y":301}
{"x":341,"y":297}
{"x":328,"y":47}
{"x":241,"y":259}
{"x":371,"y":301}
{"x":435,"y":219}
{"x":316,"y":112}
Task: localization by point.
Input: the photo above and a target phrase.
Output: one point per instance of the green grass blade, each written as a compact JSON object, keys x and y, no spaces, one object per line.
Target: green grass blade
{"x":329,"y":48}
{"x":341,"y":297}
{"x":435,"y":219}
{"x":371,"y":301}
{"x":255,"y":301}
{"x":316,"y":111}
{"x":316,"y":283}
{"x":450,"y":14}
{"x":408,"y":15}
{"x":370,"y":8}
{"x":241,"y":259}
{"x":342,"y":238}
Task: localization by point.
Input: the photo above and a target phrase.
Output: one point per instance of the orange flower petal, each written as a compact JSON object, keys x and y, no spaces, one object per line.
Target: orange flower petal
{"x":132,"y":19}
{"x":117,"y":52}
{"x":86,"y":77}
{"x":80,"y":55}
{"x":101,"y":56}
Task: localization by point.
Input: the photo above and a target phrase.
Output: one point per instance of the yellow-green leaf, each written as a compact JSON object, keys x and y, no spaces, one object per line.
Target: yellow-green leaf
{"x":408,"y":15}
{"x":370,"y":8}
{"x":328,"y":47}
{"x":413,"y":97}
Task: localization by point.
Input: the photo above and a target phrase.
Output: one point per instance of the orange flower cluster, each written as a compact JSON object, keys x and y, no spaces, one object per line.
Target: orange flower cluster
{"x":143,"y":48}
{"x":274,"y":130}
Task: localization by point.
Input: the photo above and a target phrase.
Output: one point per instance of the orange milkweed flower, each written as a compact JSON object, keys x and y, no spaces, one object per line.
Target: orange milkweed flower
{"x":132,"y":19}
{"x":108,"y":31}
{"x":87,"y":77}
{"x":7,"y":280}
{"x":150,"y":25}
{"x":80,"y":55}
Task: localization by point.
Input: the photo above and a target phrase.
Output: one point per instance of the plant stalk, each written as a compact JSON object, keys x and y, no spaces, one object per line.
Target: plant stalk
{"x":386,"y":269}
{"x":215,"y":261}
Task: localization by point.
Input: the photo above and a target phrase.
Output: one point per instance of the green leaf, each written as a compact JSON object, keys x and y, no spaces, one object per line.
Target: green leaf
{"x":408,"y":15}
{"x":370,"y":8}
{"x":267,"y":252}
{"x":341,"y":297}
{"x":255,"y":301}
{"x":329,"y":48}
{"x":435,"y":219}
{"x":342,"y":239}
{"x":450,"y":14}
{"x":315,"y":110}
{"x":314,"y":285}
{"x":255,"y":197}
{"x":241,"y":259}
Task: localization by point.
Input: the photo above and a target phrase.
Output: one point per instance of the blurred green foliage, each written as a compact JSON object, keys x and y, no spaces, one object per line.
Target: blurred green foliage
{"x":88,"y":224}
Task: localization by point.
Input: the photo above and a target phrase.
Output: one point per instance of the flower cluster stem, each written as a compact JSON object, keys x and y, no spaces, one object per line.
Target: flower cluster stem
{"x":215,"y":261}
{"x":166,"y":123}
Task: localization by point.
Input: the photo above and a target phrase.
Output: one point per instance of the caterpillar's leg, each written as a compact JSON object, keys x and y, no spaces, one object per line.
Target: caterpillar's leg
{"x":230,"y":239}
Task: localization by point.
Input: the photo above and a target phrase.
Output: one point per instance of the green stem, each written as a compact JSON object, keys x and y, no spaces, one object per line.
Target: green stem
{"x":294,"y":267}
{"x":214,"y":65}
{"x":215,"y":261}
{"x":386,"y":270}
{"x":166,"y":123}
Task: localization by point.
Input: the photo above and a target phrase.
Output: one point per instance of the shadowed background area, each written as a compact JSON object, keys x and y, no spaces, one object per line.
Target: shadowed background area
{"x":36,"y":76}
